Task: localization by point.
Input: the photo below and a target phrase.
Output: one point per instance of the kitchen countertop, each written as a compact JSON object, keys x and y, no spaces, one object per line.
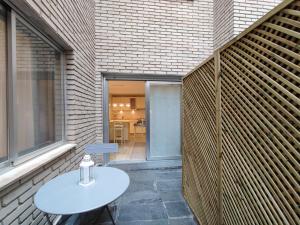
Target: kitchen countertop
{"x":125,"y":121}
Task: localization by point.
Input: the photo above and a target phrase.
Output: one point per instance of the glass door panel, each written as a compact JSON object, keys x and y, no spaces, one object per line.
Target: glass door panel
{"x":164,"y":125}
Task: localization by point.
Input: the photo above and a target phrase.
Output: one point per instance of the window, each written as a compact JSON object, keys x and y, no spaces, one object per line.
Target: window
{"x":34,"y":93}
{"x":3,"y":72}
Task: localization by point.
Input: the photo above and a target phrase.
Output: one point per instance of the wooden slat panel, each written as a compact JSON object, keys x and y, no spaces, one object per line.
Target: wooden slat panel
{"x":260,"y":121}
{"x":199,"y":143}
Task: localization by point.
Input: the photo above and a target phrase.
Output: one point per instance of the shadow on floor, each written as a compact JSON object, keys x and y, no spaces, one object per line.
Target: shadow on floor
{"x":153,"y":198}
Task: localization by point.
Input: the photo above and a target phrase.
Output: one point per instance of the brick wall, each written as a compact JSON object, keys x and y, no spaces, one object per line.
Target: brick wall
{"x":17,"y":205}
{"x":98,"y":108}
{"x":223,"y":22}
{"x":247,"y":12}
{"x":74,"y":22}
{"x":152,"y":36}
{"x":231,"y":17}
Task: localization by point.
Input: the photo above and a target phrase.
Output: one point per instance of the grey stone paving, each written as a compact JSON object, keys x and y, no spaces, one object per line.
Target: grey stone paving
{"x":153,"y":198}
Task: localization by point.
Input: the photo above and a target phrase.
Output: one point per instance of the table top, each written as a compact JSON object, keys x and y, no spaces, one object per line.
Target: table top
{"x":64,"y":196}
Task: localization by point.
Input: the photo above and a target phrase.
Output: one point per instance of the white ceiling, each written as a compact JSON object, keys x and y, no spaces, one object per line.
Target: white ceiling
{"x":127,"y":87}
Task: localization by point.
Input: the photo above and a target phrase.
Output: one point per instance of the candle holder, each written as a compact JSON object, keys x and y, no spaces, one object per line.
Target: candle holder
{"x":87,"y":171}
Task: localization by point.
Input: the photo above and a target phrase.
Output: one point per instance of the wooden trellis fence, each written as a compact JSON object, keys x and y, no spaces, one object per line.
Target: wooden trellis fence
{"x":241,"y":126}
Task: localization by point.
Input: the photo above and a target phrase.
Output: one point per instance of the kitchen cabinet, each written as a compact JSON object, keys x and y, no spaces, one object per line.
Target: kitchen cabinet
{"x":135,"y":102}
{"x":132,"y":103}
{"x":131,"y":126}
{"x":140,"y":103}
{"x":140,"y":130}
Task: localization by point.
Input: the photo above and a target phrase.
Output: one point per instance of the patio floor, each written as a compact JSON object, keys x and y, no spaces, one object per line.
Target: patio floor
{"x":153,"y":198}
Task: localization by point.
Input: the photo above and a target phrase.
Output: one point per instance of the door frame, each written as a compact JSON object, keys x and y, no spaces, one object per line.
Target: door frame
{"x":107,"y":76}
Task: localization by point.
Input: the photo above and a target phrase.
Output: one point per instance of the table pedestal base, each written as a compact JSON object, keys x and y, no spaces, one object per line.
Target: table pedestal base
{"x":112,"y":219}
{"x":87,"y":218}
{"x":109,"y":213}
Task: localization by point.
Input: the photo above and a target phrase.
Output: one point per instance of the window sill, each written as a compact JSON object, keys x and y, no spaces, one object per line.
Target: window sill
{"x":17,"y":172}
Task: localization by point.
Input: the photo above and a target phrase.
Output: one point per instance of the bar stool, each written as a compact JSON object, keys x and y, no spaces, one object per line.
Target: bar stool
{"x":119,"y":132}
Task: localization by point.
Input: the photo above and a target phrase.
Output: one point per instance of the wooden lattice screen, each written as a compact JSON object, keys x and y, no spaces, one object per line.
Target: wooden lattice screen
{"x":199,"y":142}
{"x":241,"y":126}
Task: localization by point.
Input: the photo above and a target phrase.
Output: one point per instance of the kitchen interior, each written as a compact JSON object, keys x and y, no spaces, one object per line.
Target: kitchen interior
{"x":127,"y":125}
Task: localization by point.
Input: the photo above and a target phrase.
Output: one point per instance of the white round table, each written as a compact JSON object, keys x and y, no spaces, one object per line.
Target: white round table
{"x":64,"y":196}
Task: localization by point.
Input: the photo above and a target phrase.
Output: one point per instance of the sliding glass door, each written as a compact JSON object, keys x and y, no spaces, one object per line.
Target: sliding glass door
{"x":3,"y":81}
{"x":163,"y":120}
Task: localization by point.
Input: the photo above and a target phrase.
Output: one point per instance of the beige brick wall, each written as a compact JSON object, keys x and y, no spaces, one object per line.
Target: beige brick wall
{"x":231,"y":17}
{"x":152,"y":36}
{"x":223,"y":22}
{"x":98,"y":108}
{"x":247,"y":12}
{"x":74,"y":22}
{"x":17,"y":205}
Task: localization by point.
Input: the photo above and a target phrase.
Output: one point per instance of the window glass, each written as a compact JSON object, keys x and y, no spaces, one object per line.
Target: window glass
{"x":39,"y":97}
{"x":3,"y":68}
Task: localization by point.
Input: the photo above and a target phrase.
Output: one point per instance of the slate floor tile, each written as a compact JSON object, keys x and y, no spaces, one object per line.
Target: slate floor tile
{"x":184,"y":221}
{"x":128,"y":223}
{"x":177,"y":209}
{"x":154,"y":197}
{"x":171,"y":196}
{"x":148,"y":175}
{"x":151,"y":211}
{"x":155,"y":222}
{"x":123,"y":223}
{"x":168,"y":185}
{"x":141,"y":185}
{"x":140,"y":197}
{"x":170,"y":175}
